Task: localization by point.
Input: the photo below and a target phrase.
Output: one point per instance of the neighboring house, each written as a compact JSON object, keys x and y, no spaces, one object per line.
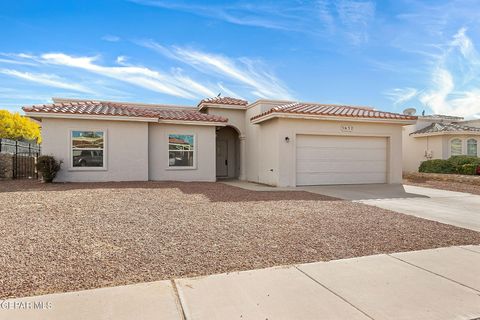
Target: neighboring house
{"x":280,"y":143}
{"x":439,"y":137}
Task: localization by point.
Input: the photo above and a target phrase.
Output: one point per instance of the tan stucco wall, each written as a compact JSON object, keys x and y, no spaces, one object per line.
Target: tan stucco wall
{"x":158,"y":153}
{"x":236,"y":118}
{"x":414,"y":148}
{"x":126,"y":149}
{"x":268,"y":158}
{"x":279,"y":155}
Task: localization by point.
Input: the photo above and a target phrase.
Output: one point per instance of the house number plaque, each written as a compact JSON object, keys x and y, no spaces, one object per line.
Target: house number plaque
{"x":346,"y":128}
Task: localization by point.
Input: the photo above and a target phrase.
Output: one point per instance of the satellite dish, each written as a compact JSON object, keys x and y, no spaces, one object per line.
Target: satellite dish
{"x":410,"y":111}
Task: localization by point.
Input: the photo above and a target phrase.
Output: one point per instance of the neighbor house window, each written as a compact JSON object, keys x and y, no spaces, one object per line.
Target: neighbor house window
{"x":456,"y":147}
{"x":88,"y":149}
{"x":472,"y":147}
{"x":181,"y":150}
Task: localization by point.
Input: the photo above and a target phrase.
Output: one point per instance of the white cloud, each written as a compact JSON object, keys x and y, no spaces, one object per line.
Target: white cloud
{"x":137,"y":75}
{"x":255,"y":15}
{"x":455,"y":85}
{"x":247,"y":72}
{"x":226,"y":91}
{"x":401,"y":95}
{"x":46,"y":80}
{"x":111,"y":38}
{"x":356,"y":17}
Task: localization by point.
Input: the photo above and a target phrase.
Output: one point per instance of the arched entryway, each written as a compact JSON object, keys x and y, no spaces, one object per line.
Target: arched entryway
{"x":227,"y":153}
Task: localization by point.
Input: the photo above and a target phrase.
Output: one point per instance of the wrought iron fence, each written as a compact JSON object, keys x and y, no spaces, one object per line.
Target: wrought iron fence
{"x":23,"y":159}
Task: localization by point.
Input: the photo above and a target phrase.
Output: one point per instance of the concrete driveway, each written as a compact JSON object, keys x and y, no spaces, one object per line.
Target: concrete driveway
{"x":455,"y":208}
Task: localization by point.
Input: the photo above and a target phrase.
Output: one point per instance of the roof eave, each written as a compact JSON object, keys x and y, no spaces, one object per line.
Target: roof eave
{"x":41,"y":115}
{"x":272,"y":115}
{"x":194,"y":122}
{"x":445,"y":133}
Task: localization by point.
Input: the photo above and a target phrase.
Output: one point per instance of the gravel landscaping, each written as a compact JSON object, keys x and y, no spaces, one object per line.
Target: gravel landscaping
{"x":65,"y":237}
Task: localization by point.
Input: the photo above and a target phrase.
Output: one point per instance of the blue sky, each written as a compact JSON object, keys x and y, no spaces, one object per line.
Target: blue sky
{"x":386,"y":54}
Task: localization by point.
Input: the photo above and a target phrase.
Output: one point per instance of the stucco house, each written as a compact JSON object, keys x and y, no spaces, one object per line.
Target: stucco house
{"x":280,"y":143}
{"x":439,"y":137}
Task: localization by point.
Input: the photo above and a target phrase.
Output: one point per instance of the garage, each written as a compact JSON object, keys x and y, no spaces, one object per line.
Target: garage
{"x":326,"y":159}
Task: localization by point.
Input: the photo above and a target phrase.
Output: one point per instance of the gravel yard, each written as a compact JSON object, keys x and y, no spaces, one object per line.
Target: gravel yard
{"x":65,"y":237}
{"x":445,"y":185}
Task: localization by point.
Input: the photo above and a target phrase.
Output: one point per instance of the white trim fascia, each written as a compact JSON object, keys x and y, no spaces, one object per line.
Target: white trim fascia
{"x":328,"y":118}
{"x":194,"y":123}
{"x":88,"y":117}
{"x":446,"y":133}
{"x":222,"y":106}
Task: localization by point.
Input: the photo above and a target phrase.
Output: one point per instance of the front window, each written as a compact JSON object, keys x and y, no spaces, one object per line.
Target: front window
{"x":456,"y":147}
{"x":472,"y":147}
{"x":88,"y":149}
{"x":181,"y":150}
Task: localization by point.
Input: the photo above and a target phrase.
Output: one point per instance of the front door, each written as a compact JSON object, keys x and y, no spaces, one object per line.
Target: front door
{"x":222,"y":158}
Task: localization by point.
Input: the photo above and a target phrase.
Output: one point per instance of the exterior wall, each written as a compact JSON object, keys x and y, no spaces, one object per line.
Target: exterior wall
{"x":236,"y":118}
{"x":158,"y":153}
{"x":279,"y":155}
{"x":254,"y":147}
{"x":269,"y":157}
{"x":126,"y":149}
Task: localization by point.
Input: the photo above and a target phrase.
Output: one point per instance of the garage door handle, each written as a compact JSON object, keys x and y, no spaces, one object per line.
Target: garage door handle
{"x":226,"y":162}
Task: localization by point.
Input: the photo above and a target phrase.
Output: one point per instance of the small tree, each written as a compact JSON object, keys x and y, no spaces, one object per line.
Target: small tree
{"x":48,"y":166}
{"x":17,"y":127}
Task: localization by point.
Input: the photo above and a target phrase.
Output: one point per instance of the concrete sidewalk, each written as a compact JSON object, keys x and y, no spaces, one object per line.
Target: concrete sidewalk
{"x":429,"y":284}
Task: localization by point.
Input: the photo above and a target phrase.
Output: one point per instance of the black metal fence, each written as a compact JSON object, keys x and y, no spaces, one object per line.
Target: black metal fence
{"x":24,"y":157}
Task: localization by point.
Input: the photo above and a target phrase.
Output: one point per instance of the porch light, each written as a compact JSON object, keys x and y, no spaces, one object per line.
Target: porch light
{"x":287,"y":139}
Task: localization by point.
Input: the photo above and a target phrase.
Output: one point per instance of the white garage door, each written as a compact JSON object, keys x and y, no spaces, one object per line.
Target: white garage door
{"x":340,"y":160}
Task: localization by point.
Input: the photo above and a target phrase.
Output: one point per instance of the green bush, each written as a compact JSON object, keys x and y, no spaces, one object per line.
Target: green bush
{"x":48,"y":166}
{"x":455,"y":164}
{"x":436,"y":166}
{"x":459,"y":161}
{"x":469,"y":168}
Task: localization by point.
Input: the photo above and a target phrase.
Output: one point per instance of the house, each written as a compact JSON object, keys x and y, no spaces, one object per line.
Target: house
{"x":439,"y":137}
{"x":280,"y":143}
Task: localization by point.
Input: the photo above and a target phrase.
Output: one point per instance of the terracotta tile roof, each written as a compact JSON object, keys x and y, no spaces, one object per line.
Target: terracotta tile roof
{"x":224,"y":100}
{"x":334,"y":111}
{"x":438,"y":127}
{"x":96,"y":108}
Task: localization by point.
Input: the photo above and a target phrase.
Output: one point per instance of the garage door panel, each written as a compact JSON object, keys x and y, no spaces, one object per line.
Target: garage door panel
{"x":341,"y":178}
{"x":339,"y":141}
{"x":340,"y":160}
{"x":374,"y":166}
{"x":320,"y":154}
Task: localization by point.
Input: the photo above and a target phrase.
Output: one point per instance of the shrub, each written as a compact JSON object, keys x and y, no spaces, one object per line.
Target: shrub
{"x":469,"y":168}
{"x":458,"y":161}
{"x":436,"y":166}
{"x":48,"y":166}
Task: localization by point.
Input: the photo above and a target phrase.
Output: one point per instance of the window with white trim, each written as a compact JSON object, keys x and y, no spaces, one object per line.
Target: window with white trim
{"x":472,"y":147}
{"x":88,"y":149}
{"x":455,"y":147}
{"x":181,"y":150}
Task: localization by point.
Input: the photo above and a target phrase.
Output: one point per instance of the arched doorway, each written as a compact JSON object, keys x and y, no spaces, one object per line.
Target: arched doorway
{"x":227,"y":153}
